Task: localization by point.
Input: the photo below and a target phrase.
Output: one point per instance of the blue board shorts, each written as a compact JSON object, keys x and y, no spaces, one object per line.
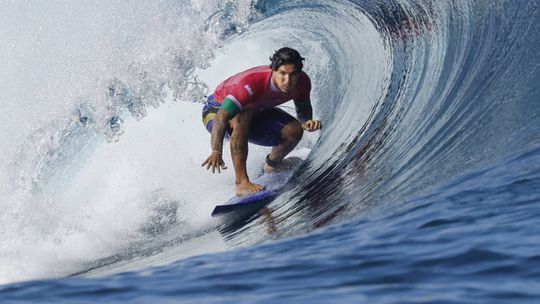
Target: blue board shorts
{"x":265,"y":129}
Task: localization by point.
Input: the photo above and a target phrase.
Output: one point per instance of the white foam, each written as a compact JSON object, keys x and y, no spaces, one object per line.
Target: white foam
{"x":62,"y":210}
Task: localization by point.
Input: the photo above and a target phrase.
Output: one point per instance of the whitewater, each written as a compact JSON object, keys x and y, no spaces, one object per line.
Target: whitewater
{"x":422,"y":187}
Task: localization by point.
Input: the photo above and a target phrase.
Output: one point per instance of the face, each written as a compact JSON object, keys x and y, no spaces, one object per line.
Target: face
{"x":286,"y":77}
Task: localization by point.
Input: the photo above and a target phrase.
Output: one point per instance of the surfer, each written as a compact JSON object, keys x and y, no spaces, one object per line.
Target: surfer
{"x":243,"y":109}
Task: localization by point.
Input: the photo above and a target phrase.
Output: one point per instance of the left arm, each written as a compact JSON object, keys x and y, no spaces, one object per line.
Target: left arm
{"x":304,"y":112}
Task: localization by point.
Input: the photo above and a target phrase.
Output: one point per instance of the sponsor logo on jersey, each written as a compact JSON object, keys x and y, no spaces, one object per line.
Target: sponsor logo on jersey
{"x":248,"y":88}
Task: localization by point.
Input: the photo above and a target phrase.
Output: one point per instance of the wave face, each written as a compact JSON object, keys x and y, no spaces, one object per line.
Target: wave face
{"x":424,"y":184}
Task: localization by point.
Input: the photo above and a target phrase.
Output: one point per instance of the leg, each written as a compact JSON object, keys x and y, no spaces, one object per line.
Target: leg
{"x":291,"y":134}
{"x":239,"y":151}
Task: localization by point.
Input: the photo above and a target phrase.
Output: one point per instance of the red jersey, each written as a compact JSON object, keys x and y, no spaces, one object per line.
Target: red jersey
{"x":254,"y":89}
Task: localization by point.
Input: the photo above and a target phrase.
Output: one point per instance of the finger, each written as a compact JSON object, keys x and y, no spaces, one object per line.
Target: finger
{"x":205,"y":162}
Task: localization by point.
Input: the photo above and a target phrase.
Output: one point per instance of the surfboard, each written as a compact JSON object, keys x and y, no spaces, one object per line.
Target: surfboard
{"x":240,"y":206}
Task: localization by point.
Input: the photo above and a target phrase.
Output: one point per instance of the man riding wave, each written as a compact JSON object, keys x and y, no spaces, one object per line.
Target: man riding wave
{"x":243,"y":109}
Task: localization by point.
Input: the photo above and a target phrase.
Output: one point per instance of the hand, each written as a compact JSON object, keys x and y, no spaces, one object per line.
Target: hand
{"x":312,"y":125}
{"x":214,"y":161}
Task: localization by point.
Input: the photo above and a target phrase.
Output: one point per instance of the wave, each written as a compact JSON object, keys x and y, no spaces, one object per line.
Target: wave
{"x":412,"y":94}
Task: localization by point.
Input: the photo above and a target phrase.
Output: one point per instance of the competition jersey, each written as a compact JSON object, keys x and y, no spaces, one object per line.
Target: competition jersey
{"x":254,"y":89}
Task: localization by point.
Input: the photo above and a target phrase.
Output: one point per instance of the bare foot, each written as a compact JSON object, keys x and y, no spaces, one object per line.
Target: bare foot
{"x":269,"y":169}
{"x":286,"y":164}
{"x":248,"y":187}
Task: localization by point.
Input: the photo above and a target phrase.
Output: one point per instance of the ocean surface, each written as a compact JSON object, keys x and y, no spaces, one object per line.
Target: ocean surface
{"x":422,"y":187}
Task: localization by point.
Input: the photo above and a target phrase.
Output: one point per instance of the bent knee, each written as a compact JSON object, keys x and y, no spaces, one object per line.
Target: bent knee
{"x":293,"y":130}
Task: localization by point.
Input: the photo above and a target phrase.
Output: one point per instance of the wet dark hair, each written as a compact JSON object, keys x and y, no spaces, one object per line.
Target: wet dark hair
{"x":286,"y":55}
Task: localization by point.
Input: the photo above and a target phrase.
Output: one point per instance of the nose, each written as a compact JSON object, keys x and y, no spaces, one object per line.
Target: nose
{"x":286,"y":79}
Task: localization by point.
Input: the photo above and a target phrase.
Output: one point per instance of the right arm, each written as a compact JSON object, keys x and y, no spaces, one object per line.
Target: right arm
{"x":221,"y":120}
{"x":228,"y":111}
